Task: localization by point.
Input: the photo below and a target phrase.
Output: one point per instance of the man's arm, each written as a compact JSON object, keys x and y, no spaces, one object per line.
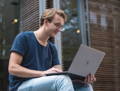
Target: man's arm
{"x":16,"y":69}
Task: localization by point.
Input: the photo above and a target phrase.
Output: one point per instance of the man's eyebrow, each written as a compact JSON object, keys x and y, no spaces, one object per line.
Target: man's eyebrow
{"x":59,"y":23}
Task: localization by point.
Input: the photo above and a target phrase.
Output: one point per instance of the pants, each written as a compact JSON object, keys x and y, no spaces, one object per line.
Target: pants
{"x":52,"y":83}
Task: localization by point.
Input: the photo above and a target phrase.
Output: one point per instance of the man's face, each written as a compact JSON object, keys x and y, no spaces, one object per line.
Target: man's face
{"x":55,"y":26}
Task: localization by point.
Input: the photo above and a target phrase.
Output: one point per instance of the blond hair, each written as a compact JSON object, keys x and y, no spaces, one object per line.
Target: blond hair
{"x":49,"y":14}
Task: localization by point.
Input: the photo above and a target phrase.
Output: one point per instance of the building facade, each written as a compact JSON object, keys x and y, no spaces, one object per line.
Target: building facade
{"x":91,"y":22}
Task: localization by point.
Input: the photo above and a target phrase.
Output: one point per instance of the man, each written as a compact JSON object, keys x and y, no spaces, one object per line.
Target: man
{"x":32,"y":56}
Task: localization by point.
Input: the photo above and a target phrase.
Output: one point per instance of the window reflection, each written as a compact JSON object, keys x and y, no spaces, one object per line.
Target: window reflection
{"x":93,"y":18}
{"x":9,"y":27}
{"x":9,"y":16}
{"x":70,"y":34}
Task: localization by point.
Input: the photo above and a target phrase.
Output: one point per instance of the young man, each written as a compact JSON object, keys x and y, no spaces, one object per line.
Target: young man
{"x":33,"y":56}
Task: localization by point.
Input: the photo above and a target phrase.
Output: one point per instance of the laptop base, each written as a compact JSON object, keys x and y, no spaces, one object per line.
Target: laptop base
{"x":71,"y":75}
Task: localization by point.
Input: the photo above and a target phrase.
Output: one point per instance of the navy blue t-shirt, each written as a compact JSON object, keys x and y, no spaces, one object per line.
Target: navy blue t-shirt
{"x":35,"y":56}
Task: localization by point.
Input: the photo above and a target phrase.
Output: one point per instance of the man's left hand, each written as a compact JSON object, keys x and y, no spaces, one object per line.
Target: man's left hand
{"x":90,"y":78}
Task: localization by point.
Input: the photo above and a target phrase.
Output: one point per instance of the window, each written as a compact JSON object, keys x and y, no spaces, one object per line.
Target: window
{"x":71,"y":35}
{"x":9,"y":27}
{"x":9,"y":24}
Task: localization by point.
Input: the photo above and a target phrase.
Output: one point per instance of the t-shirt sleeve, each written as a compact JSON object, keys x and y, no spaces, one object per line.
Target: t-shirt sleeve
{"x":19,"y":44}
{"x":55,"y":58}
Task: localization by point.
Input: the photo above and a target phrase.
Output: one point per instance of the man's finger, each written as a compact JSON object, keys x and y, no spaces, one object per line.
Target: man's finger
{"x":57,"y":70}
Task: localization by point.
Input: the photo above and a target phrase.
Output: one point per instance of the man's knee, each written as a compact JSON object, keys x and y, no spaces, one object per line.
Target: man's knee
{"x":63,"y":80}
{"x":64,"y":83}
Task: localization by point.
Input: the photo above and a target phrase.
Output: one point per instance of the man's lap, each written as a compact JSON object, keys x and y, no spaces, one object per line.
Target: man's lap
{"x":45,"y":83}
{"x":42,"y":82}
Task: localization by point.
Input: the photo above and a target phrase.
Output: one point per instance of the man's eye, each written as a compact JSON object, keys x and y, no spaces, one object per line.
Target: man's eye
{"x":57,"y":24}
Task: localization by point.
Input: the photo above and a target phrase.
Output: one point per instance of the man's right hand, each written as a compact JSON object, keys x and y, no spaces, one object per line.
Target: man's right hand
{"x":51,"y":70}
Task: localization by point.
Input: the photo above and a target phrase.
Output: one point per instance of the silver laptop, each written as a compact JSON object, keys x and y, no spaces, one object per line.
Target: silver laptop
{"x":86,"y":61}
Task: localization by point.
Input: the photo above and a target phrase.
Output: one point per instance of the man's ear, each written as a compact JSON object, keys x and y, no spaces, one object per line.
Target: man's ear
{"x":45,"y":22}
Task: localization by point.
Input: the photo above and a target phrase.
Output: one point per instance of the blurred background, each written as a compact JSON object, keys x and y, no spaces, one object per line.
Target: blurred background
{"x":95,"y":23}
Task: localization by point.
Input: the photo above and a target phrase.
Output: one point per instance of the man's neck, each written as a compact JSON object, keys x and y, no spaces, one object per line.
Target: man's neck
{"x":41,"y":36}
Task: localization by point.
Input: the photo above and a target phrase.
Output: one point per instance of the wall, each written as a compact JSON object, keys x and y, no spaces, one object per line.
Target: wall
{"x":104,"y":34}
{"x":29,"y":15}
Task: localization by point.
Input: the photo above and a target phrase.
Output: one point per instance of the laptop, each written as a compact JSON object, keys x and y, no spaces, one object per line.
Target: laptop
{"x":86,"y":61}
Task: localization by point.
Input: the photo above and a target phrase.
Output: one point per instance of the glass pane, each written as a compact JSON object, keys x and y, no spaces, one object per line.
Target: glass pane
{"x":9,"y":27}
{"x":70,"y":34}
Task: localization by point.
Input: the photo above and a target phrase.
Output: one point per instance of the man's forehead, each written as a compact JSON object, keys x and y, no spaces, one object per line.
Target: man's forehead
{"x":58,"y":19}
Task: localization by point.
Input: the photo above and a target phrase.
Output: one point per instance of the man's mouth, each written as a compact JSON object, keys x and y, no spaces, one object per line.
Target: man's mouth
{"x":57,"y":30}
